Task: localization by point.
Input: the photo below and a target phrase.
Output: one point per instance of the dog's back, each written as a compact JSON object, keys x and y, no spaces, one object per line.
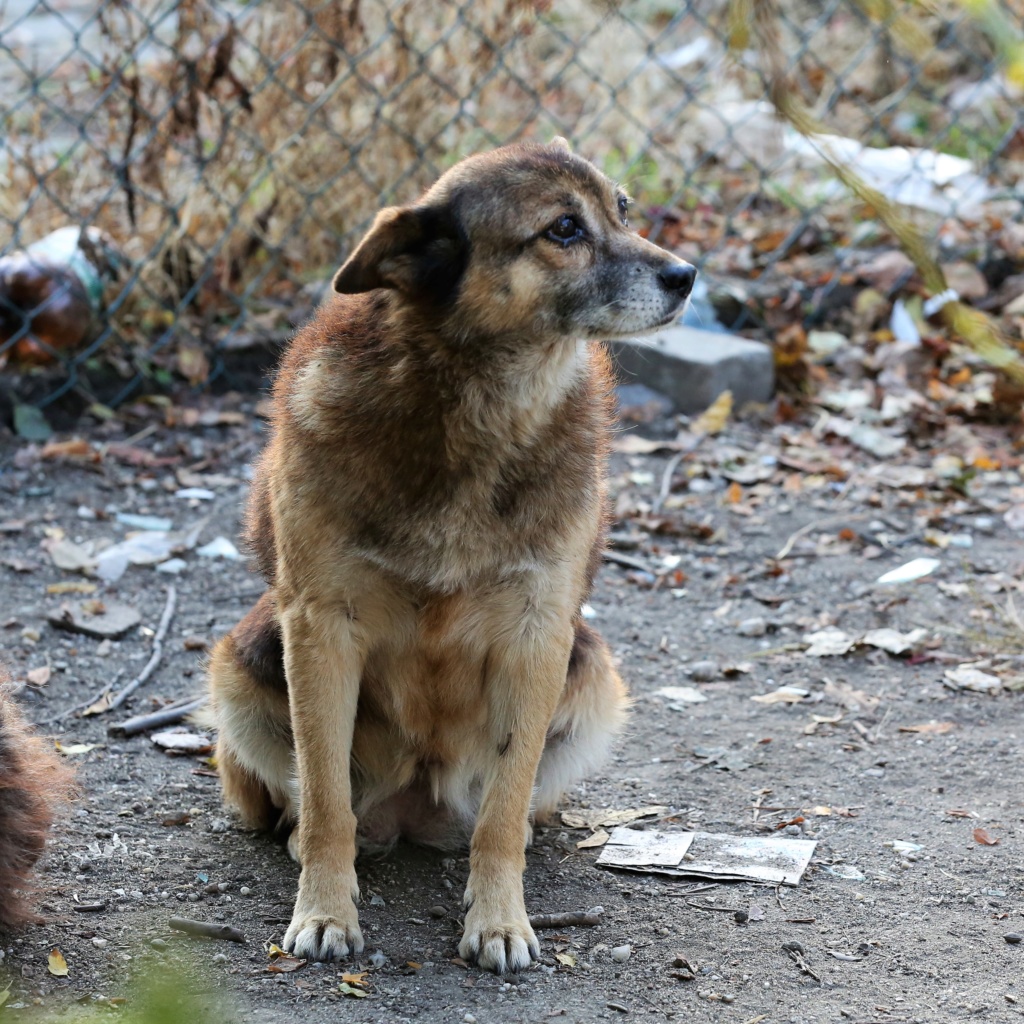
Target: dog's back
{"x":31,"y":782}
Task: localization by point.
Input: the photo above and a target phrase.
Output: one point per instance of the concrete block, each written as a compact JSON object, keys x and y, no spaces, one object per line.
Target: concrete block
{"x":693,"y":367}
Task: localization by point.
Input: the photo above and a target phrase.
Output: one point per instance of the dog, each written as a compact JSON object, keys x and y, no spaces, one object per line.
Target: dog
{"x":32,"y":783}
{"x":429,"y":515}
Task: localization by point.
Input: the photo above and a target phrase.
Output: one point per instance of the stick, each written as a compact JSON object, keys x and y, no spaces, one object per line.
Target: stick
{"x":158,"y":650}
{"x":817,"y":525}
{"x":626,"y":561}
{"x":206,"y":929}
{"x":670,"y":469}
{"x":165,"y":716}
{"x":565,"y":920}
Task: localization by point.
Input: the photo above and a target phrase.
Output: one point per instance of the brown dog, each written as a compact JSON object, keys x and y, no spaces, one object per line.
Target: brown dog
{"x":429,"y":515}
{"x":32,"y":783}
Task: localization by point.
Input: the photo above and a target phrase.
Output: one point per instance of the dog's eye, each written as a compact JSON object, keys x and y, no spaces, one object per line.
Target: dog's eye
{"x":623,"y":204}
{"x":565,"y":230}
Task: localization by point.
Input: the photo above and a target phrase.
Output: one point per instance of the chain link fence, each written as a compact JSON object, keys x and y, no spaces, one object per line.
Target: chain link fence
{"x":215,"y":161}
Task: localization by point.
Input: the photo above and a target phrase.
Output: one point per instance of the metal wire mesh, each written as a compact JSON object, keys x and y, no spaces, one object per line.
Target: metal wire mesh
{"x":225,"y":156}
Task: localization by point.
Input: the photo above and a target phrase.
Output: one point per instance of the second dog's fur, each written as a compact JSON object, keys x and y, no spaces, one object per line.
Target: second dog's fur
{"x":429,"y":515}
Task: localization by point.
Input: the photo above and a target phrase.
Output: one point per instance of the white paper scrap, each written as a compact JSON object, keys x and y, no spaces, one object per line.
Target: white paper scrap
{"x":707,"y":855}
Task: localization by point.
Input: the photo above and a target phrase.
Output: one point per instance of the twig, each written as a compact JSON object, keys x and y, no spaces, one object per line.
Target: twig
{"x":158,"y":650}
{"x":693,"y":890}
{"x":704,"y":906}
{"x":565,"y":920}
{"x":165,"y":716}
{"x":670,"y":469}
{"x":816,"y":525}
{"x":206,"y":929}
{"x":627,"y":561}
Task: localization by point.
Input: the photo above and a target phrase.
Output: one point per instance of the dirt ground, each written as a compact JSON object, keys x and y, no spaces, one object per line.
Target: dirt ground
{"x":912,"y":933}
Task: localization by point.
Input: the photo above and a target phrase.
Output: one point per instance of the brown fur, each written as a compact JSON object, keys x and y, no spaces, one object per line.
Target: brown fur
{"x":429,"y":515}
{"x":32,"y":781}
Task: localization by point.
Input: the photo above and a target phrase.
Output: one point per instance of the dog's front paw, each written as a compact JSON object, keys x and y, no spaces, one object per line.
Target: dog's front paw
{"x":498,"y":942}
{"x":324,"y":936}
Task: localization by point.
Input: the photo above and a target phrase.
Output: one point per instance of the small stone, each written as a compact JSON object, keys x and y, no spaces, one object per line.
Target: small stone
{"x":112,"y":622}
{"x":752,"y":627}
{"x":1013,"y":938}
{"x":791,"y":830}
{"x":98,"y":942}
{"x":741,"y":917}
{"x":245,"y":890}
{"x":104,"y":648}
{"x":468,"y":1018}
{"x":158,"y":943}
{"x":620,"y":954}
{"x":219,"y":825}
{"x":704,"y":671}
{"x":438,"y":911}
{"x":220,"y":958}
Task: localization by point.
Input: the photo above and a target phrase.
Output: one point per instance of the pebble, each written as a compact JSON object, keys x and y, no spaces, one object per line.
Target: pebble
{"x":158,"y":943}
{"x":1013,"y":938}
{"x":220,"y":958}
{"x":756,"y":626}
{"x":468,"y":1018}
{"x":219,"y":825}
{"x":704,"y":671}
{"x":245,"y":890}
{"x":620,"y":954}
{"x":438,"y":911}
{"x":98,"y":942}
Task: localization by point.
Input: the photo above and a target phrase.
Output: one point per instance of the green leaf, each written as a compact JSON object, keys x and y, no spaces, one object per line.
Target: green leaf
{"x":30,"y":423}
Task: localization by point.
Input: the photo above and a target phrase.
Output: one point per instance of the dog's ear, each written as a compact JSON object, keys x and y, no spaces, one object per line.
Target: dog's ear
{"x":420,"y":251}
{"x":562,"y":143}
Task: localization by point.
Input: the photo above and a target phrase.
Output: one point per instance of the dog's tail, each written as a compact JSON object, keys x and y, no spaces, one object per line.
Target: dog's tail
{"x":32,"y":783}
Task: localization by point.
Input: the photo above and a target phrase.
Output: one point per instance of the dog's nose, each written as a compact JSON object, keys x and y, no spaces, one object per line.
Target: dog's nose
{"x":678,"y":277}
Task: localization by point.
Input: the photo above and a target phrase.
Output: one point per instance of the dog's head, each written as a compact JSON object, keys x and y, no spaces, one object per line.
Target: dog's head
{"x":526,"y":239}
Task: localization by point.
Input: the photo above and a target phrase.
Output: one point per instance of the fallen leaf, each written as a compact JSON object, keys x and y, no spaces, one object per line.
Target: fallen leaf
{"x":982,"y":837}
{"x":734,"y":494}
{"x":959,"y":812}
{"x":634,"y":444}
{"x":38,"y":676}
{"x":829,"y":642}
{"x":599,"y":838}
{"x":356,"y":979}
{"x":74,"y":748}
{"x":938,"y":728}
{"x":182,"y":741}
{"x":567,"y":959}
{"x":72,"y":587}
{"x":715,"y":417}
{"x":967,"y":678}
{"x":100,"y":705}
{"x":609,"y":818}
{"x":783,"y":695}
{"x":349,"y":990}
{"x":848,"y":697}
{"x":915,"y":569}
{"x":56,"y":964}
{"x":892,"y":641}
{"x":76,"y":448}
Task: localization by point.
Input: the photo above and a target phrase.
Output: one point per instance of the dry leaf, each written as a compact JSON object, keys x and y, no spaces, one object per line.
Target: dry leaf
{"x":356,"y":979}
{"x":72,"y":587}
{"x":715,"y":417}
{"x":783,"y":695}
{"x":959,"y":812}
{"x":592,"y":842}
{"x":981,"y":836}
{"x":350,"y":990}
{"x":74,"y":748}
{"x":608,"y":818}
{"x":634,"y":444}
{"x":929,"y":727}
{"x":734,"y":494}
{"x":567,"y":959}
{"x":100,"y":705}
{"x":76,"y":448}
{"x":56,"y":964}
{"x":39,"y":676}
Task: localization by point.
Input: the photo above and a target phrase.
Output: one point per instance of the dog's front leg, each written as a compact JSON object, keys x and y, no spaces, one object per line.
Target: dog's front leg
{"x":323,"y":663}
{"x":526,"y":676}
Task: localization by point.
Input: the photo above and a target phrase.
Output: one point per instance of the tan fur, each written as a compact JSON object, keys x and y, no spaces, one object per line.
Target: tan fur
{"x":32,"y":783}
{"x":429,"y":515}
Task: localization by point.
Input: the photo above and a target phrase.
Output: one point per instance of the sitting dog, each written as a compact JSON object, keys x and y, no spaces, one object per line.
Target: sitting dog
{"x":429,"y":515}
{"x":32,"y":782}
